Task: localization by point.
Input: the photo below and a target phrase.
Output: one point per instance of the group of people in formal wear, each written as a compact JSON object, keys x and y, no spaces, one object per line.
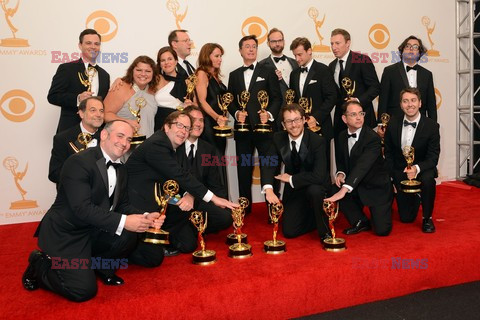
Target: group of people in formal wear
{"x":106,"y":184}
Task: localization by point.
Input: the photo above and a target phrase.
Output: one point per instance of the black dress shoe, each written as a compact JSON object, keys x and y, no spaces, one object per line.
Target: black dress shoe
{"x":358,"y":227}
{"x":29,"y":278}
{"x":428,"y":226}
{"x":110,"y":279}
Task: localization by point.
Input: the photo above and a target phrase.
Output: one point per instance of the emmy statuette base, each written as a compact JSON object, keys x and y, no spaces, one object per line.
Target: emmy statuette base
{"x":232,"y":238}
{"x":156,"y":236}
{"x":137,"y":139}
{"x":224,"y":132}
{"x":242,"y":127}
{"x":334,"y":244}
{"x":411,"y":186}
{"x":274,"y":247}
{"x":315,"y":129}
{"x":240,"y":251}
{"x":14,"y":42}
{"x":204,"y":258}
{"x":263,"y":128}
{"x":23,"y":204}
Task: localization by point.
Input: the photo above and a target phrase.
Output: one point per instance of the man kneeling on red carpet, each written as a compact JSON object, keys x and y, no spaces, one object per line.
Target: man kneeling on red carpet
{"x":91,"y":227}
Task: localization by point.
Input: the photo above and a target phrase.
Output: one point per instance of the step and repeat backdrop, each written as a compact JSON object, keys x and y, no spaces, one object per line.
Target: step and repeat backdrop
{"x":36,"y":36}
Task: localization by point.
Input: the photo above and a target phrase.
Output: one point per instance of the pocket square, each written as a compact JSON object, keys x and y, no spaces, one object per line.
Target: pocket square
{"x":259,"y":79}
{"x":312,"y":81}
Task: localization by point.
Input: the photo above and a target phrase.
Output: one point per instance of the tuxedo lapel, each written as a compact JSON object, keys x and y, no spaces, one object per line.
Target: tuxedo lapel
{"x":256,"y":71}
{"x":102,"y":167}
{"x":303,"y":151}
{"x":403,"y":73}
{"x":310,"y":74}
{"x":348,"y":65}
{"x":418,"y":131}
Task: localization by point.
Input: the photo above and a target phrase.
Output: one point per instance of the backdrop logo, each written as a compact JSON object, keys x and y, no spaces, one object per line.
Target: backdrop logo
{"x":257,"y":26}
{"x":17,"y":105}
{"x":105,"y":24}
{"x":9,"y":13}
{"x":173,"y":6}
{"x":426,"y":22}
{"x":11,"y":164}
{"x":379,"y":36}
{"x":438,"y":98}
{"x":313,"y":14}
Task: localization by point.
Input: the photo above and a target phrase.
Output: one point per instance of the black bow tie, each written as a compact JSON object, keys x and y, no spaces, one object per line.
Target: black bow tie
{"x":407,"y":123}
{"x":415,"y":67}
{"x":283,"y":58}
{"x":91,"y":66}
{"x":116,"y":165}
{"x":303,"y":69}
{"x":249,"y":67}
{"x":353,"y":135}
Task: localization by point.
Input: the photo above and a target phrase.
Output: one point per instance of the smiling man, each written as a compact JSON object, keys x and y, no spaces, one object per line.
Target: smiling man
{"x":67,"y":90}
{"x":155,"y":161}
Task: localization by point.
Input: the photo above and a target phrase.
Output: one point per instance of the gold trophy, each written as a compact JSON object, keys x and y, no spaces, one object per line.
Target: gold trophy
{"x":202,"y":257}
{"x":233,"y":237}
{"x":275,"y":246}
{"x":140,"y":102}
{"x":86,"y":78}
{"x":263,"y":100}
{"x":223,"y":103}
{"x":159,"y":236}
{"x":332,"y":244}
{"x":11,"y":164}
{"x":83,"y":138}
{"x":384,"y":118}
{"x":307,"y":106}
{"x":242,"y":101}
{"x":410,"y":186}
{"x":9,"y":13}
{"x":426,"y":22}
{"x":349,"y":87}
{"x":192,"y":81}
{"x":239,"y":249}
{"x":289,"y":96}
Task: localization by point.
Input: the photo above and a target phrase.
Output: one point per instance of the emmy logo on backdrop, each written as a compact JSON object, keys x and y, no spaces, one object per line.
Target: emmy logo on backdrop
{"x":202,"y":257}
{"x":83,"y":139}
{"x":313,"y":14}
{"x":173,"y":6}
{"x":243,"y":99}
{"x":275,"y":246}
{"x":333,"y":244}
{"x":156,"y":236}
{"x":410,"y":185}
{"x":223,"y":103}
{"x":426,"y":22}
{"x":306,"y":105}
{"x":9,"y":13}
{"x":262,"y":97}
{"x":240,"y":249}
{"x":11,"y":164}
{"x":140,"y":103}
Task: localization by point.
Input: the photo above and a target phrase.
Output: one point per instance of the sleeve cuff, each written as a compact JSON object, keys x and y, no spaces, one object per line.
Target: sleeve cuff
{"x":121,"y":225}
{"x":208,"y":196}
{"x":265,"y":187}
{"x":291,"y":182}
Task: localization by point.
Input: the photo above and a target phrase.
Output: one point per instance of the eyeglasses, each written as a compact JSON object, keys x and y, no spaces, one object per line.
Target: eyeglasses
{"x":275,"y":41}
{"x":247,"y":46}
{"x":290,"y":122}
{"x":412,"y":47}
{"x":182,"y":126}
{"x":355,"y":114}
{"x":185,"y":41}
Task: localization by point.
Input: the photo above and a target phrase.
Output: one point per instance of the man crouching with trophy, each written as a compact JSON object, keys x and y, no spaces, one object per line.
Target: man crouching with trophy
{"x":422,"y":133}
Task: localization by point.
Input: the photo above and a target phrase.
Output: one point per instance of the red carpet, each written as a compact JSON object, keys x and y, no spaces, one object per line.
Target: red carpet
{"x":303,"y":281}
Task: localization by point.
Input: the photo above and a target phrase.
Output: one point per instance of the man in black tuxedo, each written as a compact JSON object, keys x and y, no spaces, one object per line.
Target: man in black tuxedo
{"x":358,"y":68}
{"x":362,"y":176}
{"x":91,"y":225}
{"x":279,"y":62}
{"x":195,"y":156}
{"x":90,"y":111}
{"x":67,"y":91}
{"x":155,"y":161}
{"x":314,"y":80}
{"x":253,"y":77}
{"x":408,"y":73}
{"x":306,"y":177}
{"x":422,"y":133}
{"x":180,"y":42}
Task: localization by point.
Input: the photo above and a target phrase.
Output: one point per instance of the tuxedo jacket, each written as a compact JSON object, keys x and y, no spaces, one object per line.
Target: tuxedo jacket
{"x":364,"y":168}
{"x":62,"y":150}
{"x":203,"y":168}
{"x":66,"y":87}
{"x":394,"y":80}
{"x":154,"y":161}
{"x":313,"y":168}
{"x":321,"y":88}
{"x":268,"y":62}
{"x":360,"y":69}
{"x":263,"y":78}
{"x":82,"y":206}
{"x":426,"y":143}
